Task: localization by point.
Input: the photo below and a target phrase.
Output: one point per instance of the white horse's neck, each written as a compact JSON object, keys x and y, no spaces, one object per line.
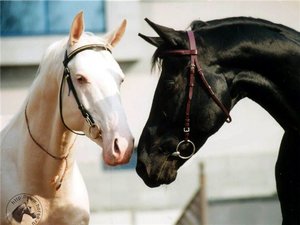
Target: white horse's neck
{"x":48,"y":144}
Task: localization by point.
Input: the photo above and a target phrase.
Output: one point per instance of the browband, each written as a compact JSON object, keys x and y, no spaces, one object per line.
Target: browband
{"x":69,"y":57}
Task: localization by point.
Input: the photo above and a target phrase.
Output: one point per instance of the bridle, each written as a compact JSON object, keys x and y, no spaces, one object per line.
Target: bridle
{"x":67,"y":76}
{"x":194,"y":68}
{"x":94,"y":130}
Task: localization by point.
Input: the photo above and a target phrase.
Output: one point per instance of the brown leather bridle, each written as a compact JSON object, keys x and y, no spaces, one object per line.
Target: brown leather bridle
{"x":194,"y":67}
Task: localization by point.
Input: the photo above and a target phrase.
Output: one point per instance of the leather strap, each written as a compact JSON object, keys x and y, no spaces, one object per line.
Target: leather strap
{"x":193,"y":49}
{"x":194,"y":64}
{"x":69,"y":57}
{"x":179,"y":52}
{"x":202,"y":77}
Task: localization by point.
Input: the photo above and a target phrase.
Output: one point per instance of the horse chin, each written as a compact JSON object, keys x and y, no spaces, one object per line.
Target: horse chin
{"x":154,"y":182}
{"x":152,"y":176}
{"x":112,"y":160}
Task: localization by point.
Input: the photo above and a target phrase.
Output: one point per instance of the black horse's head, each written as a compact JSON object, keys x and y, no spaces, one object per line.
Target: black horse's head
{"x":157,"y":164}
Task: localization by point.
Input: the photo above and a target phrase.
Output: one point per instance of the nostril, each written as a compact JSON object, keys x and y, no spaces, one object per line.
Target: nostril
{"x":116,"y":147}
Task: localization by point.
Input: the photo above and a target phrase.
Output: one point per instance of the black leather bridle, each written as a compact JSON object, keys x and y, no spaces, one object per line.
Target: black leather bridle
{"x":94,"y":130}
{"x":194,"y":68}
{"x":67,"y":76}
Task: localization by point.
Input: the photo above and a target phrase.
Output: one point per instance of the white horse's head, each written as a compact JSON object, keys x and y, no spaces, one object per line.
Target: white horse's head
{"x":97,"y":77}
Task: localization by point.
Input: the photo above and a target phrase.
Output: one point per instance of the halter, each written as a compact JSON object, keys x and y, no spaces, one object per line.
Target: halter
{"x":194,"y":67}
{"x":67,"y":76}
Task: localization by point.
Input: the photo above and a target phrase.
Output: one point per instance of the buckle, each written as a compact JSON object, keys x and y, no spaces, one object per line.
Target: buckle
{"x":186,"y":129}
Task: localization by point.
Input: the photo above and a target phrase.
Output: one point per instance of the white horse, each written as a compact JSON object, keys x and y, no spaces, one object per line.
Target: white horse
{"x":76,"y":90}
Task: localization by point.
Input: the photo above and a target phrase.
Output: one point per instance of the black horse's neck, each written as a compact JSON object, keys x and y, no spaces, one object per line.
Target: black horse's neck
{"x":260,"y":60}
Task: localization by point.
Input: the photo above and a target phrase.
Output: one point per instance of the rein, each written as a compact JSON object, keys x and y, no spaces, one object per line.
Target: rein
{"x":194,"y":67}
{"x":85,"y":113}
{"x":61,"y":158}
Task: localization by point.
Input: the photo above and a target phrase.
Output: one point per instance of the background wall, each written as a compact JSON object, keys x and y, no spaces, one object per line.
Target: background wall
{"x":239,"y":159}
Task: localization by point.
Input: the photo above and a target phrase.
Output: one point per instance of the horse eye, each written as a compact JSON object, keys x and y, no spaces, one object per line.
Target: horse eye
{"x":170,"y":84}
{"x":81,"y":79}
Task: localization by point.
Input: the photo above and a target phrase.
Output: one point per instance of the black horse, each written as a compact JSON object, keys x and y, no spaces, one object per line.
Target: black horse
{"x":235,"y":58}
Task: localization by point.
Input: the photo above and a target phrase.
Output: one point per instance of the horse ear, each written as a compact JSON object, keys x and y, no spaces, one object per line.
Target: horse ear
{"x":167,"y":34}
{"x":76,"y":29}
{"x":156,"y":41}
{"x":114,"y":37}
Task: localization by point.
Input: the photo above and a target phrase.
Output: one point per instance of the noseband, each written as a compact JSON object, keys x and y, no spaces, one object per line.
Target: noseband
{"x":194,"y":68}
{"x":94,"y":129}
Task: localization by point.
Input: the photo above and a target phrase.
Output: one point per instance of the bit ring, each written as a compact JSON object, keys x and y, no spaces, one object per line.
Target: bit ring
{"x":177,"y":153}
{"x":92,"y":134}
